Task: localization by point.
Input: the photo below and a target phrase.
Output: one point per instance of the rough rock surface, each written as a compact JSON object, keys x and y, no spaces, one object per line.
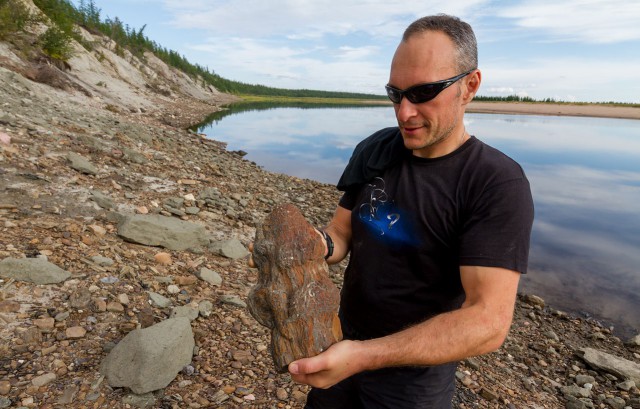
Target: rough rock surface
{"x":149,"y":359}
{"x":294,"y":296}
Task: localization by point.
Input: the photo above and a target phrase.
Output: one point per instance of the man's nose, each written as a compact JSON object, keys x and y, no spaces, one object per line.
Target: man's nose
{"x":405,"y":110}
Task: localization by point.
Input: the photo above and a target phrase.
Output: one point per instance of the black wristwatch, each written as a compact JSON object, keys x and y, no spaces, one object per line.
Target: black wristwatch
{"x":329,"y":241}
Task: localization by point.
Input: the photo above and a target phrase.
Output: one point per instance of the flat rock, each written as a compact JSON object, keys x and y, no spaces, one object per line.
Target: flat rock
{"x":162,"y":231}
{"x":33,"y":270}
{"x":81,"y":164}
{"x":620,"y":367}
{"x":231,"y":248}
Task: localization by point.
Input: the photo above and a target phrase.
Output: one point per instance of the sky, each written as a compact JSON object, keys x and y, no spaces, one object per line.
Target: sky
{"x":568,"y":50}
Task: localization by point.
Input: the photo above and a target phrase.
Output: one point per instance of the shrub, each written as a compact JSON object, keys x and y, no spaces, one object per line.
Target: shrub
{"x":14,"y":17}
{"x":56,"y":44}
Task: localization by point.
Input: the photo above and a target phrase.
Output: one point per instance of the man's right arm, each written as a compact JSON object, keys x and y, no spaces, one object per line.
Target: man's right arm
{"x":339,"y":228}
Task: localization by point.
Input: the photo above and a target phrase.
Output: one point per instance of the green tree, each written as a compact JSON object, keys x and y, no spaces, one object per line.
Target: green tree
{"x":14,"y":17}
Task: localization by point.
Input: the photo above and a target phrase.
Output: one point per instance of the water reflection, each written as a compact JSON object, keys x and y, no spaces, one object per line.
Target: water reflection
{"x":584,"y":173}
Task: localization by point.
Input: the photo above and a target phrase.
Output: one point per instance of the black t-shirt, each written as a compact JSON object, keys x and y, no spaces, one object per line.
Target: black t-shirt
{"x":416,"y":224}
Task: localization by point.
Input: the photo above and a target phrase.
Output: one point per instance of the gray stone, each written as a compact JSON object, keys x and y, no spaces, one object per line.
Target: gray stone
{"x":634,"y":342}
{"x":5,"y":402}
{"x":146,"y":400}
{"x":33,"y":270}
{"x":69,"y":395}
{"x":534,"y":300}
{"x":205,"y":308}
{"x":232,"y":248}
{"x":44,"y":379}
{"x":582,"y":379}
{"x":232,"y":299}
{"x":615,"y":402}
{"x":134,"y":156}
{"x":210,"y":276}
{"x":575,"y":391}
{"x":185,"y":311}
{"x":167,"y":232}
{"x":192,"y":210}
{"x":626,"y":385}
{"x":158,"y":300}
{"x":81,"y":164}
{"x":102,"y":200}
{"x":618,"y":366}
{"x":175,"y":202}
{"x":102,"y":261}
{"x":210,"y":193}
{"x":149,"y":359}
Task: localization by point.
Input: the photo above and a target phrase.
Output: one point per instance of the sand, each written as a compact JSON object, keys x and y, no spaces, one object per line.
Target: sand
{"x":523,"y":108}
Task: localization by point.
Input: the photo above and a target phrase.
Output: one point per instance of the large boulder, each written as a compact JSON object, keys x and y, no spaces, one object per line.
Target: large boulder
{"x":149,"y":359}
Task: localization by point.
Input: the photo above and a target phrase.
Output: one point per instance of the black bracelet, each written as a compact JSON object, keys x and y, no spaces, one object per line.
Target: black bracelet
{"x":329,"y":241}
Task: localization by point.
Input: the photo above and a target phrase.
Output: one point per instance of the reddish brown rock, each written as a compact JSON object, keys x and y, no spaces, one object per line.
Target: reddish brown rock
{"x":294,"y":295}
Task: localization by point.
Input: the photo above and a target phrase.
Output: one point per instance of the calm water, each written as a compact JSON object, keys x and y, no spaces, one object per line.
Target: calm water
{"x":584,"y":174}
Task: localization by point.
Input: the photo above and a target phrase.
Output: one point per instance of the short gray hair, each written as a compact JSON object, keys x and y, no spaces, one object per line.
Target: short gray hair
{"x":460,"y":33}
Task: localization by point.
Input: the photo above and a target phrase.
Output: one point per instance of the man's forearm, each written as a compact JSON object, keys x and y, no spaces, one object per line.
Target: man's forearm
{"x":339,"y":229}
{"x":479,"y":327}
{"x":444,"y":338}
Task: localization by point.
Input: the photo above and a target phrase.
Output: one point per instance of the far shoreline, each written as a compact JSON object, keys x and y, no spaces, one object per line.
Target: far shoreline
{"x":529,"y":108}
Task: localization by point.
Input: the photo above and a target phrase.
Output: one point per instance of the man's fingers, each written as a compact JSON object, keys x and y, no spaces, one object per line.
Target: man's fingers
{"x":250,"y":262}
{"x":307,"y":366}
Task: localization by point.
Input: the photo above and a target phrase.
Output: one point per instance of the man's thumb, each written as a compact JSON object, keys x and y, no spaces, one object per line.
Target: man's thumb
{"x":304,"y":366}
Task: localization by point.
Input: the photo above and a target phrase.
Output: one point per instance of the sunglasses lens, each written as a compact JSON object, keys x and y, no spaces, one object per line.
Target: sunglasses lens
{"x":394,"y":95}
{"x":423,"y":93}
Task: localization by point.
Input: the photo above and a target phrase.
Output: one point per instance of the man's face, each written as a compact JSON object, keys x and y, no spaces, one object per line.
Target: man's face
{"x":433,"y":128}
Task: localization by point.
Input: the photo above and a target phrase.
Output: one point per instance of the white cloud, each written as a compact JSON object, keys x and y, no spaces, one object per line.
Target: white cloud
{"x":593,"y":21}
{"x":308,"y":18}
{"x":271,"y":63}
{"x":567,"y":78}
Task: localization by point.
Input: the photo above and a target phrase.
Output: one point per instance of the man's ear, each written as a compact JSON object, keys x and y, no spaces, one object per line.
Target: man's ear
{"x":472,"y":84}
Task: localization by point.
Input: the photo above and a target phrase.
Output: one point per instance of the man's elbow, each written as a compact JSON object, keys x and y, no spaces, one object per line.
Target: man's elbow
{"x":496,"y":342}
{"x":499,"y":333}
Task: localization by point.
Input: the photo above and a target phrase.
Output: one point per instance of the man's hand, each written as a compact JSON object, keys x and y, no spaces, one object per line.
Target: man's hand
{"x":250,"y":262}
{"x":338,"y":362}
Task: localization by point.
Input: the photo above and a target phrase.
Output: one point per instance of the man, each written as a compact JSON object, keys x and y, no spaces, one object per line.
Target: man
{"x":438,"y":227}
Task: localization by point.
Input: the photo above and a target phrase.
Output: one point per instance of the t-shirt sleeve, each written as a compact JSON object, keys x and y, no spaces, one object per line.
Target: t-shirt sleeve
{"x":348,"y":199}
{"x":497,"y":229}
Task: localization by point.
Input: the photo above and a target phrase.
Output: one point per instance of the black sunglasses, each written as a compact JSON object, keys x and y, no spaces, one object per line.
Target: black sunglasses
{"x":420,"y":93}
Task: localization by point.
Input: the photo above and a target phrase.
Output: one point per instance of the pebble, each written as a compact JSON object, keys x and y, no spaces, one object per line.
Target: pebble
{"x":115,"y":307}
{"x":163,"y":258}
{"x":42,"y":380}
{"x":5,"y":387}
{"x":44,"y":323}
{"x":282,"y":394}
{"x":9,"y":306}
{"x":75,"y":332}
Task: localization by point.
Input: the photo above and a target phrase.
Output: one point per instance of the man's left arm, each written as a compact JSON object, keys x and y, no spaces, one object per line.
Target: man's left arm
{"x":478,"y":327}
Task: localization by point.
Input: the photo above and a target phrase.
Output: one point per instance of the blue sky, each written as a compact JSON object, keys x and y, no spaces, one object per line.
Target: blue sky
{"x":571,"y":50}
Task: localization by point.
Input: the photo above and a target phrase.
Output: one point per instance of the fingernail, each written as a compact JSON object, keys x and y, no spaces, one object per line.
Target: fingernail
{"x":293,"y":368}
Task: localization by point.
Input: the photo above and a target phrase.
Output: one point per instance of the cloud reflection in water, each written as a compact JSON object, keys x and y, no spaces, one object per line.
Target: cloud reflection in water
{"x":584,"y":173}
